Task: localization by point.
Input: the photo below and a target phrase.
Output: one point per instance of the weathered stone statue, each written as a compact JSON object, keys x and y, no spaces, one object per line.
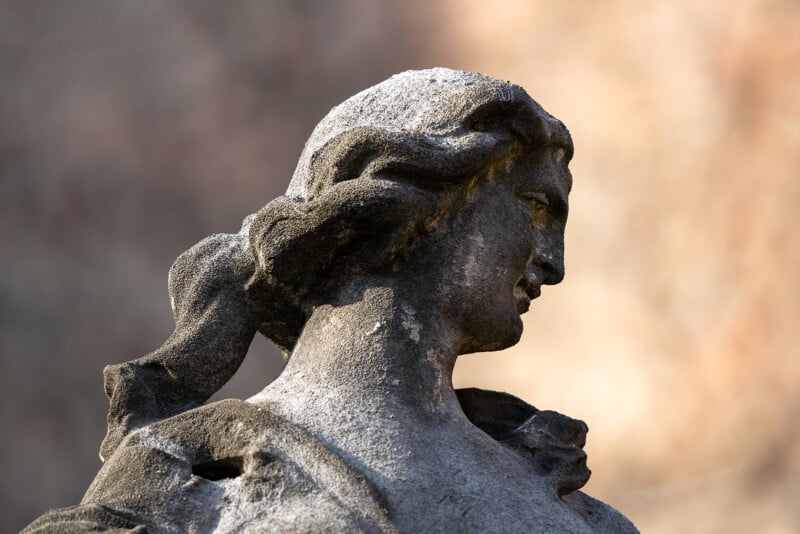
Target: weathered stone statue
{"x":424,"y":216}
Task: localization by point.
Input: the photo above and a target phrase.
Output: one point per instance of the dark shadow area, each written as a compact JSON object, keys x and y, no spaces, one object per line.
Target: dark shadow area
{"x":220,"y":469}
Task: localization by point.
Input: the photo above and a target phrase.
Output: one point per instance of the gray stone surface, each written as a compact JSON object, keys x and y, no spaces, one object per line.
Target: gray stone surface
{"x":424,"y":216}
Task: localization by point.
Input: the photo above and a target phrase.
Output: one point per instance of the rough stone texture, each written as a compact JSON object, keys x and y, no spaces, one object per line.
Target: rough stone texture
{"x":424,"y":216}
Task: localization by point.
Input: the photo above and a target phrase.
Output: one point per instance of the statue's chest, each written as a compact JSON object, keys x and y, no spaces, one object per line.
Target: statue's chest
{"x":472,"y":488}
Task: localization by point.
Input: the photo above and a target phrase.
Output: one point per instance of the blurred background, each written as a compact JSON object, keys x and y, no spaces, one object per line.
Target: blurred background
{"x":131,"y":130}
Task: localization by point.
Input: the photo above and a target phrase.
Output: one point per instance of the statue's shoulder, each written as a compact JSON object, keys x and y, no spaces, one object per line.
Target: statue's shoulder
{"x":234,"y":466}
{"x":552,"y":442}
{"x":230,"y":466}
{"x":598,"y":515}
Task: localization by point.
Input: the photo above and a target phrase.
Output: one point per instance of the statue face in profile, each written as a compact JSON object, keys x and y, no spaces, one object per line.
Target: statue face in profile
{"x":506,"y":242}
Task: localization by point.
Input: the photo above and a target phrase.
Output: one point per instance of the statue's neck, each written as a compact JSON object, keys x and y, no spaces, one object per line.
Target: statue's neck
{"x":376,"y":350}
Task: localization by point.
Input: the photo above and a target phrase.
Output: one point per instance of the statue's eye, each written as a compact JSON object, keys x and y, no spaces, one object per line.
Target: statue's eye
{"x":537,"y":200}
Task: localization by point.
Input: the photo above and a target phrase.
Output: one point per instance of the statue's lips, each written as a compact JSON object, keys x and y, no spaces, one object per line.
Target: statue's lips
{"x":525,"y":292}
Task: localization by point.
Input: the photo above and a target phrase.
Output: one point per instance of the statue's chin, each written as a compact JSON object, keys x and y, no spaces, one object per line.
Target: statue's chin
{"x":503,"y":336}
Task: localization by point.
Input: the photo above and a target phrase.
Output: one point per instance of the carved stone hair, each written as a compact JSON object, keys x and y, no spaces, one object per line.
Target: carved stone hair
{"x":376,"y":171}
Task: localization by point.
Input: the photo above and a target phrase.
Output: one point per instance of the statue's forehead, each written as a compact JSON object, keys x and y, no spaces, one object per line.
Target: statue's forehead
{"x":556,"y":134}
{"x":544,"y":166}
{"x":557,"y":142}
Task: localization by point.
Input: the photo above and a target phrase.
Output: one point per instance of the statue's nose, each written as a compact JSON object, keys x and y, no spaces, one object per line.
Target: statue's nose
{"x":551,"y":264}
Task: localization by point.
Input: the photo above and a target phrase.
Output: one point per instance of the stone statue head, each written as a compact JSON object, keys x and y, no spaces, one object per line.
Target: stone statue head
{"x":388,"y":170}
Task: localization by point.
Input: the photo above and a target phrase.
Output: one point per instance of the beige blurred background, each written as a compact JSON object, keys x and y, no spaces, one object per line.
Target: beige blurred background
{"x":131,"y":130}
